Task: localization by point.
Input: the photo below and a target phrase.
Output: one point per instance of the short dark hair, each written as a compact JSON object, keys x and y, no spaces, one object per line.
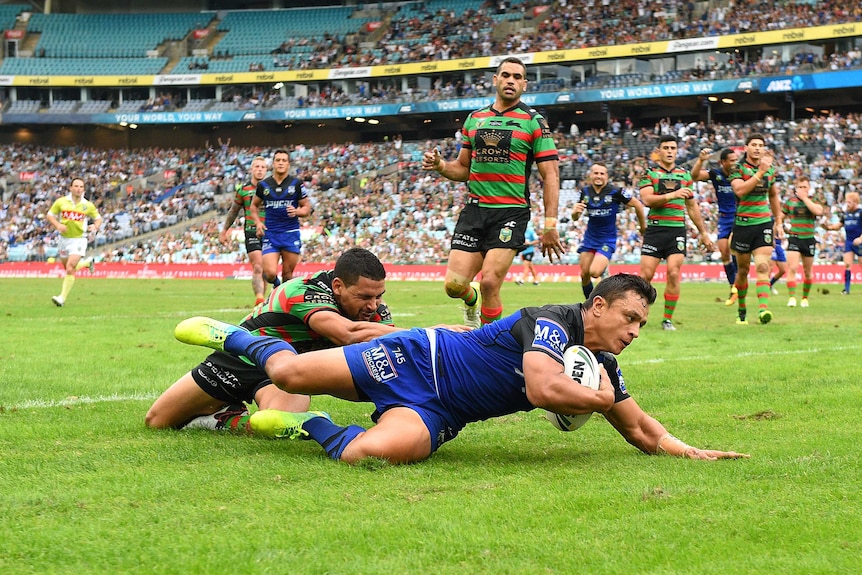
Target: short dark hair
{"x":666,"y":138}
{"x":755,"y":136}
{"x":358,"y":263}
{"x":511,"y":60}
{"x":617,"y":286}
{"x":281,"y":151}
{"x":725,"y":153}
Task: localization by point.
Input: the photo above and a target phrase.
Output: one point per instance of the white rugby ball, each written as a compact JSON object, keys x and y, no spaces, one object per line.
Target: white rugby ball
{"x":581,"y":365}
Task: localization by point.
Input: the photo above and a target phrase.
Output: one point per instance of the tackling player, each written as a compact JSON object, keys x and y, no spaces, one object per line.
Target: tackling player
{"x":326,"y":309}
{"x":427,"y":384}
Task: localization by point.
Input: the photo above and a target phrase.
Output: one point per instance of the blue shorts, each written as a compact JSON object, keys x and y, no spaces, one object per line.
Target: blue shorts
{"x":725,"y":225}
{"x":397,"y":371}
{"x":276,"y":242}
{"x":605,"y":246}
{"x":849,"y":247}
{"x":778,"y":254}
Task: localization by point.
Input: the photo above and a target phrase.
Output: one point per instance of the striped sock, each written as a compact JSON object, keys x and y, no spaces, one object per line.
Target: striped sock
{"x":806,"y":288}
{"x":491,"y":314}
{"x":670,"y":305}
{"x":762,"y":288}
{"x":791,"y":288}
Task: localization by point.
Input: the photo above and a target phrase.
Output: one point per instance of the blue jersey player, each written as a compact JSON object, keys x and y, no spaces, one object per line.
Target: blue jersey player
{"x":427,"y":384}
{"x":725,"y":200}
{"x":285,"y":201}
{"x":601,"y":202}
{"x":851,"y":220}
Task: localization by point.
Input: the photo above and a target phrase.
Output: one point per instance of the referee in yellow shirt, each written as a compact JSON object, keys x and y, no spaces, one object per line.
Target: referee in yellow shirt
{"x":69,"y":216}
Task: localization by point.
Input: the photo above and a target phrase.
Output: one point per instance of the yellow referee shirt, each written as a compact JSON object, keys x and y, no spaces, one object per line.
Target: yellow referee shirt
{"x":74,"y":216}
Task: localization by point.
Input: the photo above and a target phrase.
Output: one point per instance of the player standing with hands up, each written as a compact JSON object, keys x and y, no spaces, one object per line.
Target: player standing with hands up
{"x":500,"y":143}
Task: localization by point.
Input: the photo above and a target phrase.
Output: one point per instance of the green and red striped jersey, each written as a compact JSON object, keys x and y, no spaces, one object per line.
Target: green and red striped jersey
{"x":503,"y":147}
{"x":753,"y":209}
{"x":243,"y":197}
{"x":286,"y":312}
{"x":800,"y":218}
{"x":662,"y":181}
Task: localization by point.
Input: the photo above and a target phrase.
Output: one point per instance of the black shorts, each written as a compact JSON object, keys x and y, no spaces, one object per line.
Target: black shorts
{"x":528,"y":256}
{"x":804,"y":246}
{"x":663,"y":241}
{"x":252,"y":243}
{"x":481,"y":229}
{"x":746,"y":239}
{"x":229,"y":379}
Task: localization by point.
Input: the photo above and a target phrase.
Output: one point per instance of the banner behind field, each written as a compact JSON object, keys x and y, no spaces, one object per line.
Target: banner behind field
{"x":828,"y":273}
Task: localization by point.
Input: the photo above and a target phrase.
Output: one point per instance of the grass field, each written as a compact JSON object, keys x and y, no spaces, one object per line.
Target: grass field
{"x":85,"y":488}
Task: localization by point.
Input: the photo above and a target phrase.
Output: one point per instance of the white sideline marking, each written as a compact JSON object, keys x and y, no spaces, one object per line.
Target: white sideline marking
{"x":71,"y":401}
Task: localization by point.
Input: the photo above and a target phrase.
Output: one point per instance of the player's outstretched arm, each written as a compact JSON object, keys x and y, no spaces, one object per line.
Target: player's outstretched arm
{"x":343,"y":331}
{"x":650,"y":436}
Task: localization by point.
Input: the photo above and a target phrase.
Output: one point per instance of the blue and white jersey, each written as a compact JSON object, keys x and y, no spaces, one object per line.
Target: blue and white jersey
{"x":602,"y":209}
{"x":277,"y":196}
{"x":480,"y":372}
{"x":724,"y":196}
{"x":852,"y":224}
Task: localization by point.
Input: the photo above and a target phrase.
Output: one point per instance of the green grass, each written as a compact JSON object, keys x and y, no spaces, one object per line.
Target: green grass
{"x":85,"y":488}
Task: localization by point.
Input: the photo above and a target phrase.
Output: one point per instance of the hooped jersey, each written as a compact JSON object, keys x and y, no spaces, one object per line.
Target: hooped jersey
{"x":244,"y":195}
{"x":286,"y":312}
{"x":662,"y":181}
{"x":800,"y":218}
{"x":503,"y":147}
{"x":74,"y":216}
{"x":497,"y":351}
{"x":277,"y":196}
{"x":753,"y":209}
{"x":602,"y":209}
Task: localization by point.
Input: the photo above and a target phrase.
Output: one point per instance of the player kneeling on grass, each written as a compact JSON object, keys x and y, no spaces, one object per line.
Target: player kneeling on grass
{"x":427,"y":384}
{"x":327,"y":309}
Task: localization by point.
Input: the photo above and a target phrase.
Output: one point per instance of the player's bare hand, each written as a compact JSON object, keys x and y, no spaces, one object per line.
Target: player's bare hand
{"x":767,"y":160}
{"x":431,"y":159}
{"x":578,"y":210}
{"x":712,"y":454}
{"x":551,"y":244}
{"x":705,"y":154}
{"x":222,"y":237}
{"x":606,"y":388}
{"x":260,"y":228}
{"x":685,"y":193}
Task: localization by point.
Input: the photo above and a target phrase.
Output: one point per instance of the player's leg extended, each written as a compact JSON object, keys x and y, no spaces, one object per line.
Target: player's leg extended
{"x":494,"y":269}
{"x":180,"y":403}
{"x":586,"y":262}
{"x":460,"y":271}
{"x":400,"y":436}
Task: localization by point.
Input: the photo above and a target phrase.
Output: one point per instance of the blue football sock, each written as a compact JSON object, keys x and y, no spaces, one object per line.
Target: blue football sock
{"x":333,"y":438}
{"x":730,"y":272}
{"x":256,"y":348}
{"x":847,"y":276}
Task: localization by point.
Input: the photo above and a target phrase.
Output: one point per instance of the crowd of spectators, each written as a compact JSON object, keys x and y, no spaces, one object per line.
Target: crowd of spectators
{"x":375,"y":195}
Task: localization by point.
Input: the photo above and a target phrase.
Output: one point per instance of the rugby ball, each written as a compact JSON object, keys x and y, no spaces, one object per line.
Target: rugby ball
{"x":582,"y":366}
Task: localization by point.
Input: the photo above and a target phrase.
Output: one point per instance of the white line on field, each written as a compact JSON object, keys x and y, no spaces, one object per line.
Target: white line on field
{"x":70,"y":401}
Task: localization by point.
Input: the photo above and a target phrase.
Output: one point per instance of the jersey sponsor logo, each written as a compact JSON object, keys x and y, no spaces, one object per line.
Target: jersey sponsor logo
{"x":379,"y":364}
{"x":319,"y":298}
{"x":492,"y":146}
{"x":551,"y":336}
